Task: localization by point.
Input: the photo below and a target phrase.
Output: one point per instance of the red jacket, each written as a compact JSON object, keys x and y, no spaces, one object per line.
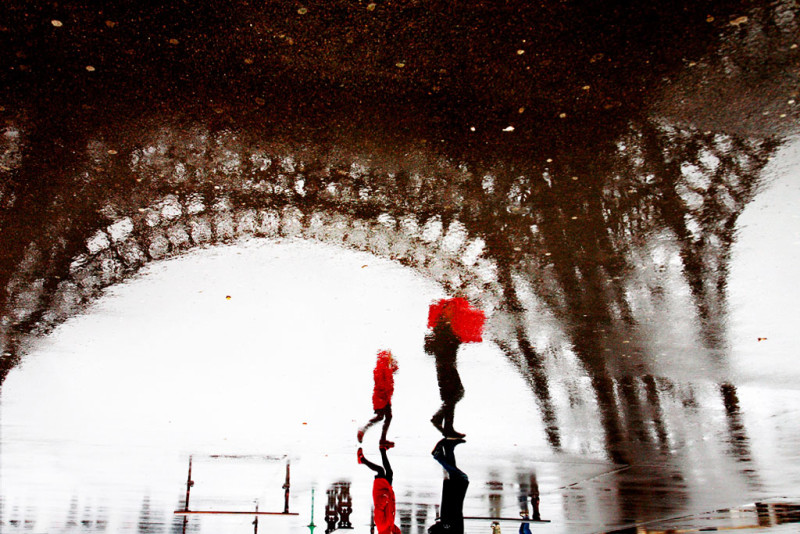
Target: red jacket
{"x":384,"y":383}
{"x":383,"y":498}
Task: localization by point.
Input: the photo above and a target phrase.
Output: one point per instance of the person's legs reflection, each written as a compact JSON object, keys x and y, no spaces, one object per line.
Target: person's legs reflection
{"x":382,"y":493}
{"x":382,"y":414}
{"x":454,"y":489}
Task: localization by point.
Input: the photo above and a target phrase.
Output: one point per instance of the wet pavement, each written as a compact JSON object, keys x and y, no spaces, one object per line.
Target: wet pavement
{"x":213,"y":217}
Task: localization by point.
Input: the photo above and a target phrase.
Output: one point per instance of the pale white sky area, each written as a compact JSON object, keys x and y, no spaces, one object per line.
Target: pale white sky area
{"x":763,"y":286}
{"x":108,"y":408}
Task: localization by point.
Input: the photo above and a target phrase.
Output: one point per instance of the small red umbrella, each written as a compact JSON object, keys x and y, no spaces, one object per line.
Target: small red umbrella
{"x":466,"y":321}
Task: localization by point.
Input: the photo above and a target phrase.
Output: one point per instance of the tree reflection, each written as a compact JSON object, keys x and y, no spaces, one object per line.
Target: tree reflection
{"x":585,"y":237}
{"x":590,"y":219}
{"x":579,"y":235}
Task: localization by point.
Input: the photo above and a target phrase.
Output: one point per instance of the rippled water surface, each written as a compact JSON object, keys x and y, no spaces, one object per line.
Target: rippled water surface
{"x":212,"y":218}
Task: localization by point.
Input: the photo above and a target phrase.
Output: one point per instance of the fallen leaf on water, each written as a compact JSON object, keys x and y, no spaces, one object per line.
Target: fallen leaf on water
{"x":302,"y":11}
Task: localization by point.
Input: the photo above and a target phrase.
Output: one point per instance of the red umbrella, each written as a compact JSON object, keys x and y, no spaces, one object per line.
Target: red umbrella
{"x":466,"y":321}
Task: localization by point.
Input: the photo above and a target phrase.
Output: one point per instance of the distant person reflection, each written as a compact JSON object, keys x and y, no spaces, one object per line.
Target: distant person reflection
{"x":454,"y":488}
{"x":529,"y":489}
{"x":382,"y":493}
{"x":443,"y":344}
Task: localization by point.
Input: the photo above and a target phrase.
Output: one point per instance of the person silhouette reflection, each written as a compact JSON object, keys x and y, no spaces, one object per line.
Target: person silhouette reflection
{"x":443,"y":344}
{"x":454,"y":489}
{"x":385,"y":368}
{"x":382,"y":493}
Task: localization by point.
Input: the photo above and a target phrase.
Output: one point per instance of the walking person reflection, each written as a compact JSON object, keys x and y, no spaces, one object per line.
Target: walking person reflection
{"x":453,"y":321}
{"x":454,"y":489}
{"x":528,"y":489}
{"x":382,"y":493}
{"x":385,"y":368}
{"x":443,"y":344}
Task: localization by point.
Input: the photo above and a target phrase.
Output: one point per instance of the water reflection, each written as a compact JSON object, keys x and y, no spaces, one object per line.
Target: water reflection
{"x":598,"y":239}
{"x":770,"y":514}
{"x":528,"y":489}
{"x":384,"y":371}
{"x":453,"y":321}
{"x":454,"y":488}
{"x":383,"y":498}
{"x":593,"y":259}
{"x":339,"y":507}
{"x":443,"y":344}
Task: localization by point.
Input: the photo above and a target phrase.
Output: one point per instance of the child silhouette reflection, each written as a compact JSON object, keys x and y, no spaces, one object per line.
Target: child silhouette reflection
{"x":382,"y":493}
{"x":385,"y":368}
{"x":443,"y":344}
{"x":454,"y":488}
